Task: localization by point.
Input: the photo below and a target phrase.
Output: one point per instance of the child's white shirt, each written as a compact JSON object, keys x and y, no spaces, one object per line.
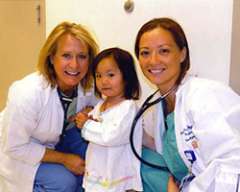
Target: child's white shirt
{"x":110,"y":163}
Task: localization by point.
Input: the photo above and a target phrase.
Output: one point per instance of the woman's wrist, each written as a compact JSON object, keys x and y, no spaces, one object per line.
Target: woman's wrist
{"x":52,"y":156}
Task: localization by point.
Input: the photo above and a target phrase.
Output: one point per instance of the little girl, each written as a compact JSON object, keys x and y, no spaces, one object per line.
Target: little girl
{"x":110,"y":164}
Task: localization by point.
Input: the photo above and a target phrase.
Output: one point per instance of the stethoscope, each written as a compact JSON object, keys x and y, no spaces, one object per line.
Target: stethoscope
{"x":148,"y":103}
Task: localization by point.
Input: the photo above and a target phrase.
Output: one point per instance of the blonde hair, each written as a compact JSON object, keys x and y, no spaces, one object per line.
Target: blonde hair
{"x":45,"y":67}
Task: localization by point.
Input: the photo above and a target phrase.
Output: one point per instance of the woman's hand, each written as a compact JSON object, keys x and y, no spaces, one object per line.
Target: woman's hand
{"x":172,"y":186}
{"x":74,"y":163}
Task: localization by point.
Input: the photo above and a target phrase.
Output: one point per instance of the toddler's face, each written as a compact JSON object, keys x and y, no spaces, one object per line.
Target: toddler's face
{"x":109,"y":80}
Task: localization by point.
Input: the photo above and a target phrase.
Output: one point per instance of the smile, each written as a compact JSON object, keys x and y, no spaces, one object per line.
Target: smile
{"x":156,"y":71}
{"x":71,"y":73}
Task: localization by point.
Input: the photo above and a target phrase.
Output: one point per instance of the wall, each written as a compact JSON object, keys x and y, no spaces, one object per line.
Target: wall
{"x":207,"y":25}
{"x":21,"y":38}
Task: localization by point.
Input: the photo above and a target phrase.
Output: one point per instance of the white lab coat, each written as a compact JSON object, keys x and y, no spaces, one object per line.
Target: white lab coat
{"x":110,"y":163}
{"x":207,"y":123}
{"x":31,"y":121}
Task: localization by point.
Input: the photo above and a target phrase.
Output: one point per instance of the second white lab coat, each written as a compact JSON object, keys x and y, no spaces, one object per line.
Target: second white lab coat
{"x":110,"y":163}
{"x":207,"y":127}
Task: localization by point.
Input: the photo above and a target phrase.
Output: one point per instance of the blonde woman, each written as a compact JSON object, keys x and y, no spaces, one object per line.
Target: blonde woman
{"x":37,"y":116}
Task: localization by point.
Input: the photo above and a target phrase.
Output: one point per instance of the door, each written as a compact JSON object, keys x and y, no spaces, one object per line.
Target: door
{"x":22,"y":34}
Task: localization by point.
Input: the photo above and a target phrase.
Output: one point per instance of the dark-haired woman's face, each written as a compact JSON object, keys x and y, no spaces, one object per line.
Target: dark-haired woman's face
{"x":160,"y":58}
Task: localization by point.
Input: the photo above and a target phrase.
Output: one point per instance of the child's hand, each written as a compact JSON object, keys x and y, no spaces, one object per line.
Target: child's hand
{"x":87,"y":109}
{"x":80,"y":119}
{"x":92,"y":118}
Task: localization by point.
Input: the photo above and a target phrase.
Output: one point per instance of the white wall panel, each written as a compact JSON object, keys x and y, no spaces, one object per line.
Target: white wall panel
{"x":208,"y":26}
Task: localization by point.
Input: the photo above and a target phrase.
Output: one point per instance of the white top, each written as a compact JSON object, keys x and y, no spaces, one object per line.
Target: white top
{"x":31,"y":121}
{"x":110,"y":163}
{"x":207,"y":127}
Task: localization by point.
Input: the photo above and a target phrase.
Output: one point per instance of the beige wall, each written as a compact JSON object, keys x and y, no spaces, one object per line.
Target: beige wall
{"x":21,"y":37}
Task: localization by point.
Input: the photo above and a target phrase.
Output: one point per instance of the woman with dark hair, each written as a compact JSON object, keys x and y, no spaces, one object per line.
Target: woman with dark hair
{"x":194,"y":131}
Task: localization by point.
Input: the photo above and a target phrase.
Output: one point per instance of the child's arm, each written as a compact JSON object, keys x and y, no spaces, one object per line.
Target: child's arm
{"x":113,"y":128}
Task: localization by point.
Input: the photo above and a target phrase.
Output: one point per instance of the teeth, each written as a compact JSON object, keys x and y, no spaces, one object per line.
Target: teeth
{"x":72,"y":73}
{"x":156,"y":70}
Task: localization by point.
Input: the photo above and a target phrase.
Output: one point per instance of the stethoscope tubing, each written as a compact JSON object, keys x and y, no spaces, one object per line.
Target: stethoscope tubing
{"x":142,"y":109}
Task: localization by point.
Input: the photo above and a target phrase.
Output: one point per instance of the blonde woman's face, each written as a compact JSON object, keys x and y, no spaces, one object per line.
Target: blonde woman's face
{"x":160,"y":58}
{"x":70,"y":61}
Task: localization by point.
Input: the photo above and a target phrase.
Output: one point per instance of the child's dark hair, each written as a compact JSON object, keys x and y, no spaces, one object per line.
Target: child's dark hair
{"x":125,"y":63}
